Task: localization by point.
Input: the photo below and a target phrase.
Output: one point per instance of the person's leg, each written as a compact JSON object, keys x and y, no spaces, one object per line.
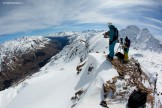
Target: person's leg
{"x":111,"y":49}
{"x":126,"y":55}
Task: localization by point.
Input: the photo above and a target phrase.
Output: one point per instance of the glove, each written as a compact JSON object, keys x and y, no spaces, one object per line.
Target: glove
{"x":106,"y":36}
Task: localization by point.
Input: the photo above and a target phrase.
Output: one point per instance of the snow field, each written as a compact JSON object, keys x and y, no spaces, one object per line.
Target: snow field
{"x":57,"y":82}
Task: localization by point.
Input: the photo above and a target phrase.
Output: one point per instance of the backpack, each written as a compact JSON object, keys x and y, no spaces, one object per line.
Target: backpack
{"x":119,"y":55}
{"x":137,"y":99}
{"x":116,"y":34}
{"x":103,"y":104}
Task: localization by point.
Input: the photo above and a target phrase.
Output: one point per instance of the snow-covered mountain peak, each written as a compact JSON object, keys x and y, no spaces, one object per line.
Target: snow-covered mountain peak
{"x":145,"y":33}
{"x":145,"y":30}
{"x":132,"y":28}
{"x":144,"y":36}
{"x":21,"y":46}
{"x":82,"y":65}
{"x":24,"y":43}
{"x":61,"y":34}
{"x":130,"y":31}
{"x":141,"y":38}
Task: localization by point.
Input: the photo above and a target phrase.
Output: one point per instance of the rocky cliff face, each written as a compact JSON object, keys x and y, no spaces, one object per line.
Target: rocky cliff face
{"x":25,"y":56}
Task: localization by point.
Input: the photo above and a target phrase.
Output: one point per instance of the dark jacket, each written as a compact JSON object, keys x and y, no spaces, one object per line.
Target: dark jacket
{"x":112,"y":32}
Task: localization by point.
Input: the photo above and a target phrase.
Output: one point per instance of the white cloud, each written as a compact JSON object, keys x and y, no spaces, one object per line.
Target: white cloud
{"x":152,"y":26}
{"x":39,"y":14}
{"x":154,"y":20}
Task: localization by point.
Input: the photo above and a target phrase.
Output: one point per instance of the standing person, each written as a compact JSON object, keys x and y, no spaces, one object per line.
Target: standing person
{"x":126,"y":49}
{"x":113,"y":37}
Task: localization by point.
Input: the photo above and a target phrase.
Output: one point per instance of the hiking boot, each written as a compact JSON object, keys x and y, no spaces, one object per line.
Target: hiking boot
{"x":109,"y":58}
{"x":104,"y":104}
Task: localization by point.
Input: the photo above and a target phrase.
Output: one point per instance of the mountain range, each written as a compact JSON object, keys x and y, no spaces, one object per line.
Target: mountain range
{"x":78,"y":65}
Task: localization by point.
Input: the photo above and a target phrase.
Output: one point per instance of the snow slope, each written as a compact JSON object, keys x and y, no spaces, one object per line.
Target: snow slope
{"x":56,"y":88}
{"x":58,"y":81}
{"x":100,"y":74}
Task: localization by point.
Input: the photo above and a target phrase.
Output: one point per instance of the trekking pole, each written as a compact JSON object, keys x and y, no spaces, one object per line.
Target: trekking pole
{"x":155,"y":91}
{"x":119,"y":48}
{"x":120,"y":44}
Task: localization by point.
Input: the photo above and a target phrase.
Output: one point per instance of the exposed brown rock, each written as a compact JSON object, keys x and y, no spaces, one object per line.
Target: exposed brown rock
{"x":23,"y":65}
{"x":78,"y":68}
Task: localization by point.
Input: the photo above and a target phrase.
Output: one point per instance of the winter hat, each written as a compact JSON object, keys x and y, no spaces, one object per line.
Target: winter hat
{"x":109,"y":23}
{"x":126,"y":38}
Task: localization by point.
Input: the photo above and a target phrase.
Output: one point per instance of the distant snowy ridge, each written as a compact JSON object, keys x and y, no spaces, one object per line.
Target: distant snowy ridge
{"x":79,"y":45}
{"x":60,"y":81}
{"x":141,"y":38}
{"x":20,"y":46}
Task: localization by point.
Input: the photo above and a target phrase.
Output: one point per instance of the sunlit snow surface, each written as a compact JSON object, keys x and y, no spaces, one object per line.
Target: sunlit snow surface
{"x":57,"y":81}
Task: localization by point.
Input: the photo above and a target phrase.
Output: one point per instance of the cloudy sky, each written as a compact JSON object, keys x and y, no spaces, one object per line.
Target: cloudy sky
{"x":38,"y":16}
